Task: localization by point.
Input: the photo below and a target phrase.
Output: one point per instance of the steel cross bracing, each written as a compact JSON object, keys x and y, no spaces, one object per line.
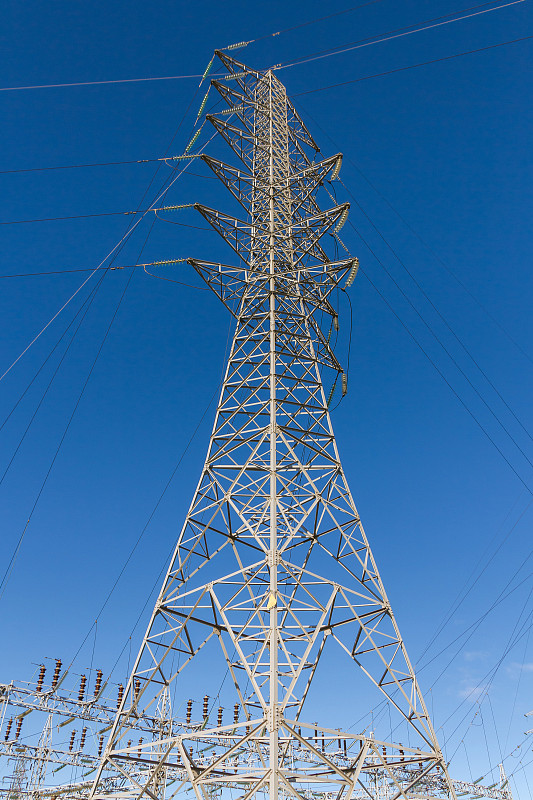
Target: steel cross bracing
{"x":272,"y":563}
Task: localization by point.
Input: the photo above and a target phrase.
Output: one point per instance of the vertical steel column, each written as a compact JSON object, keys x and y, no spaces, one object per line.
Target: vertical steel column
{"x":273,"y":553}
{"x":271,"y":171}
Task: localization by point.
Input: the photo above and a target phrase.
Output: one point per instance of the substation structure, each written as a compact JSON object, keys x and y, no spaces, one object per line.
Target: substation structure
{"x":272,"y":568}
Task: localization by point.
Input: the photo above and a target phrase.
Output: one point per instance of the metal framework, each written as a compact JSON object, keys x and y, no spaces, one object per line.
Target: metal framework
{"x":37,"y":767}
{"x":272,"y":568}
{"x":272,"y":560}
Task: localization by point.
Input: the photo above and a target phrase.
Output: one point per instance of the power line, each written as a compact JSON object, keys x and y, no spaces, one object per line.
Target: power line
{"x":448,"y":326}
{"x":116,"y":250}
{"x":183,"y":77}
{"x":100,"y":214}
{"x":320,"y":54}
{"x":514,"y":638}
{"x":169,"y":262}
{"x":95,"y":83}
{"x":432,"y":362}
{"x":72,"y":296}
{"x":166,"y":159}
{"x":430,"y":329}
{"x":87,"y":302}
{"x":43,"y":364}
{"x":420,"y":239}
{"x":81,"y":166}
{"x":145,"y":528}
{"x":303,"y":59}
{"x":7,"y":574}
{"x":511,"y":643}
{"x":427,"y":24}
{"x":471,"y":582}
{"x":118,"y":247}
{"x":65,"y":271}
{"x":435,"y":256}
{"x":450,"y":356}
{"x":473,"y":627}
{"x":314,"y":21}
{"x":170,"y":181}
{"x":413,"y":66}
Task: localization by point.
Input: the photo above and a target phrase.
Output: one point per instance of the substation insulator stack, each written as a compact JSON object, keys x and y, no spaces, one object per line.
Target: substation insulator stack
{"x":19,"y":726}
{"x":40,"y":679}
{"x":83,"y":683}
{"x":8,"y":729}
{"x":57,"y":670}
{"x":100,"y":744}
{"x":120,"y":694}
{"x":205,"y":710}
{"x":98,"y":682}
{"x":83,"y":737}
{"x":188,"y":714}
{"x":219,"y":718}
{"x":71,"y":743}
{"x":236,"y":713}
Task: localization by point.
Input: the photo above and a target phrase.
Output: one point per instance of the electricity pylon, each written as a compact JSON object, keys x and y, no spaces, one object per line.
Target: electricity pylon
{"x":272,"y":562}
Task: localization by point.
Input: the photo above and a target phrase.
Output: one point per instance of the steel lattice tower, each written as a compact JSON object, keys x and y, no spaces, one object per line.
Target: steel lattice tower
{"x":272,"y":561}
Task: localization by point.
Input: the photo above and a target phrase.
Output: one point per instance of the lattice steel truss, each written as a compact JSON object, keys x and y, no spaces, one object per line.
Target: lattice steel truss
{"x":272,"y":561}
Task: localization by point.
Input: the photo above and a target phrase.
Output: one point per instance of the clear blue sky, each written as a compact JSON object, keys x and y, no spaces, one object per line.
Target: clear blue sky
{"x":439,"y":159}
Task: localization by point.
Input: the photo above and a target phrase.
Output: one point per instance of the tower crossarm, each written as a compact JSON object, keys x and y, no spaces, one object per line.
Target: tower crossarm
{"x":303,"y":183}
{"x":230,"y":282}
{"x":249,"y":240}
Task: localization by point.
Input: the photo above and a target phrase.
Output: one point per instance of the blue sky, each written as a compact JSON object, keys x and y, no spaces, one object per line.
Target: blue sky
{"x":438,"y":158}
